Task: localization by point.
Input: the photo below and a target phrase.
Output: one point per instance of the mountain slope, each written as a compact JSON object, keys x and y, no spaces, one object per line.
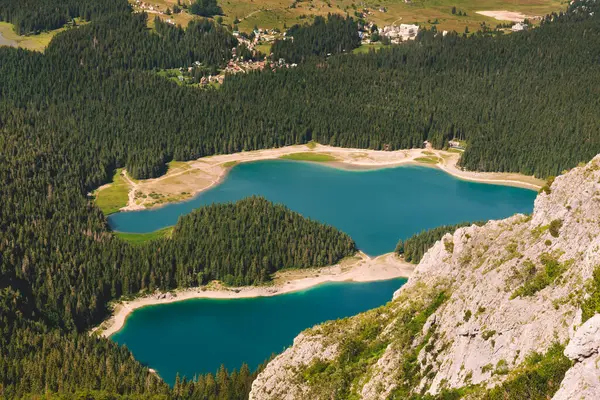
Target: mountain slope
{"x":488,"y":306}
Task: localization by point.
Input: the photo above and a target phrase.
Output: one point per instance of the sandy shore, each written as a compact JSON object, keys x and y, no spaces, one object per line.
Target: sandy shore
{"x":359,"y":268}
{"x":186,"y":179}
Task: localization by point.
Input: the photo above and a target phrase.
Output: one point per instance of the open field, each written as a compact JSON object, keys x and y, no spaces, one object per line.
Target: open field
{"x":427,"y":13}
{"x":112,"y":197}
{"x":33,"y":42}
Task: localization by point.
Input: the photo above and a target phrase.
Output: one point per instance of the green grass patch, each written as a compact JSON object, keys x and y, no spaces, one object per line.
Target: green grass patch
{"x":537,"y":379}
{"x":230,"y":164}
{"x":311,"y":145}
{"x":37,"y":42}
{"x":366,"y":48}
{"x":428,"y":160}
{"x":264,"y":48}
{"x":114,"y":197}
{"x":536,"y":281}
{"x":141,"y":238}
{"x":315,"y":157}
{"x":591,"y":305}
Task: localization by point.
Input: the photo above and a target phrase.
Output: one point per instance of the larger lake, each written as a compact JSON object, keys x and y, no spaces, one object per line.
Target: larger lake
{"x":375,"y":207}
{"x":197,"y":336}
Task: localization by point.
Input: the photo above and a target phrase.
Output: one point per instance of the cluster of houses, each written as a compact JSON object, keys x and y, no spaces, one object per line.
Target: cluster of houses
{"x":212,"y":79}
{"x":399,"y":33}
{"x":147,"y":7}
{"x":238,"y":65}
{"x":151,"y":9}
{"x":259,"y":36}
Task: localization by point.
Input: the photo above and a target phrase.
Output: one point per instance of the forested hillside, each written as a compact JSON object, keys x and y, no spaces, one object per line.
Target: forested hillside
{"x":33,"y":16}
{"x":122,"y":41}
{"x":506,"y":96}
{"x":527,"y":102}
{"x":323,"y":37}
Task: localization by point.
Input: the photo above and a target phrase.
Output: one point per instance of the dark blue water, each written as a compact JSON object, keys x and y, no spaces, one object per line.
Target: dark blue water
{"x":197,"y":336}
{"x":375,"y":207}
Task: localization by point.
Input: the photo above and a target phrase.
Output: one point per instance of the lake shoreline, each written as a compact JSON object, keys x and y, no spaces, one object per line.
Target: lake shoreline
{"x":197,"y":176}
{"x":359,"y":268}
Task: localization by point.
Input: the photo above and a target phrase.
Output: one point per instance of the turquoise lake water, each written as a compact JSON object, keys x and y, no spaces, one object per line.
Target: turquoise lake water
{"x":197,"y":336}
{"x":375,"y":207}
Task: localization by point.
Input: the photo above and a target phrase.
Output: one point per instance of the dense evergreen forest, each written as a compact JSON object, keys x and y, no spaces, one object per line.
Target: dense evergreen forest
{"x":92,"y":102}
{"x":206,"y":8}
{"x":122,"y":41}
{"x":34,"y":16}
{"x":417,"y":245}
{"x":333,"y":35}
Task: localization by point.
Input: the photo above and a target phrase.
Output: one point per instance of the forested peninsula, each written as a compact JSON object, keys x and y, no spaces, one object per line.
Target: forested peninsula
{"x":93,"y":102}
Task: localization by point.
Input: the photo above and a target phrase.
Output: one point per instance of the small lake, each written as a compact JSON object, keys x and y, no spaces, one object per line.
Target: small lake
{"x":375,"y":207}
{"x":197,"y":336}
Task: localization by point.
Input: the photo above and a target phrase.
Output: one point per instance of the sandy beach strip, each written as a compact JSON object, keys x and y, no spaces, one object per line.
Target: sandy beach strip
{"x":359,"y":268}
{"x":194,"y":177}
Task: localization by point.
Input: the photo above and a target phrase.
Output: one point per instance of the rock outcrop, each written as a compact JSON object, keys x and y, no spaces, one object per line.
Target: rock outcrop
{"x":582,"y":381}
{"x":481,"y":302}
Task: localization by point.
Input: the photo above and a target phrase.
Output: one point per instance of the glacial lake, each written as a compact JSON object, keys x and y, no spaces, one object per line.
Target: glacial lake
{"x":375,"y":207}
{"x":197,"y":336}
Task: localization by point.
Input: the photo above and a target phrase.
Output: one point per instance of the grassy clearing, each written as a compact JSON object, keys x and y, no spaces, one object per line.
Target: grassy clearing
{"x":114,"y":197}
{"x":141,"y":238}
{"x":311,"y":145}
{"x":315,"y":157}
{"x":178,"y":166}
{"x":264,"y":48}
{"x":31,"y":42}
{"x":428,"y":160}
{"x":366,"y":48}
{"x":282,"y":14}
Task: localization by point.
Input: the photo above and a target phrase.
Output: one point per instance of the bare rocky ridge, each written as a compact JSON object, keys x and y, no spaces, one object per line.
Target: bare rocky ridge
{"x":512,"y":287}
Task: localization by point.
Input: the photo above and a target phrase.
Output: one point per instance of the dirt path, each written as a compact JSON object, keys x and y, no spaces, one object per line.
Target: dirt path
{"x":254,"y":13}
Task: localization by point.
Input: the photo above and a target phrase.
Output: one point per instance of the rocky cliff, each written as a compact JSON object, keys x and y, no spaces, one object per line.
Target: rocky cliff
{"x":505,"y":310}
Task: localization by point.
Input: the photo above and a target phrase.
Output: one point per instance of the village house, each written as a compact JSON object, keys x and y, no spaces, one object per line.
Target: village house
{"x":519,"y":26}
{"x":455,"y":144}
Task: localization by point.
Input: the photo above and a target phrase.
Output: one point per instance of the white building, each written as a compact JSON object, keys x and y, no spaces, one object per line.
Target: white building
{"x":519,"y":26}
{"x":402,"y":32}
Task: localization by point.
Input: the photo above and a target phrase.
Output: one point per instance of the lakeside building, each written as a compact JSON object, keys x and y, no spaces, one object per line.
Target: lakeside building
{"x":455,"y":144}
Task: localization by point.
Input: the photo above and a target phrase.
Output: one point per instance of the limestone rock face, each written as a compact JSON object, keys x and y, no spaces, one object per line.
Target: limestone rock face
{"x":586,"y":341}
{"x":512,"y":287}
{"x":582,"y":381}
{"x":304,"y":350}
